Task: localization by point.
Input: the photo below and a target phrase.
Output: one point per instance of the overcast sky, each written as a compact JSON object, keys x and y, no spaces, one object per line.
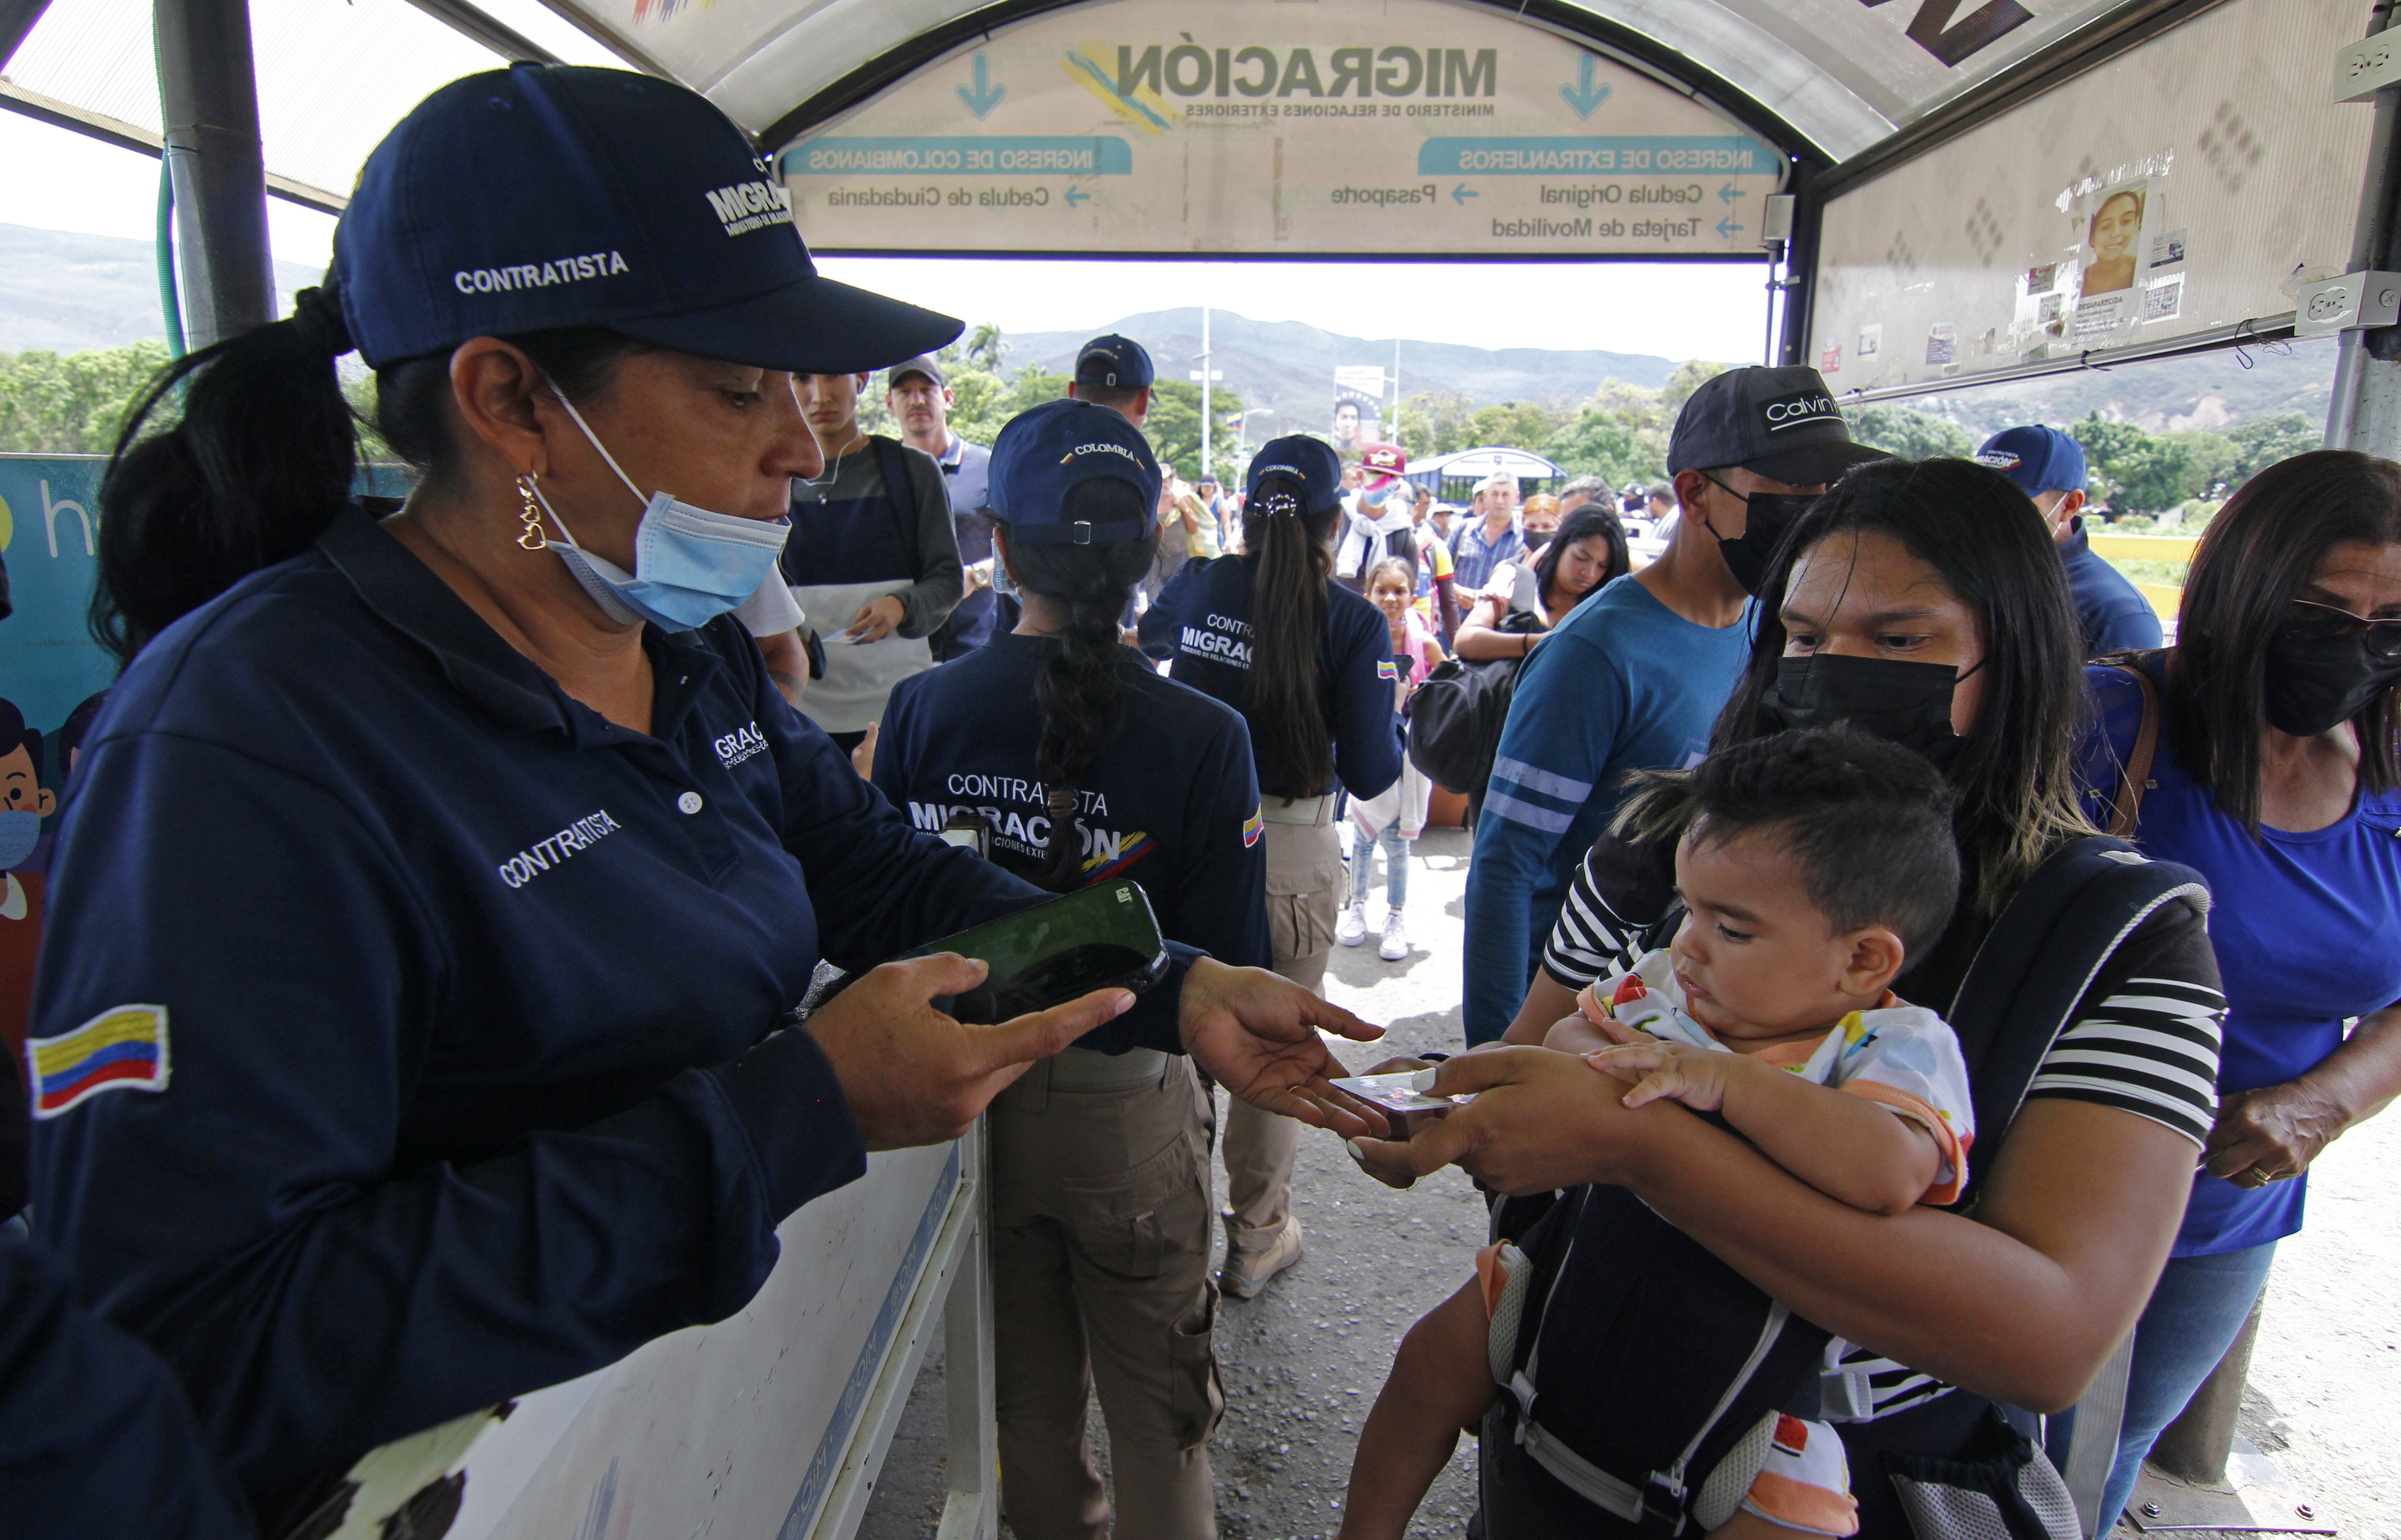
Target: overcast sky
{"x":55,"y":180}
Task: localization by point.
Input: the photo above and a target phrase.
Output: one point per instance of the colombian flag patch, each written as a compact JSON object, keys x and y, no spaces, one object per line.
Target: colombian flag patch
{"x":1389,"y":671}
{"x":1253,"y":829}
{"x":121,"y":1049}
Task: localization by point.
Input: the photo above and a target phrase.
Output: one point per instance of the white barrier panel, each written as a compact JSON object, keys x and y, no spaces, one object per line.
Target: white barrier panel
{"x":2193,"y":183}
{"x":773,"y":1423}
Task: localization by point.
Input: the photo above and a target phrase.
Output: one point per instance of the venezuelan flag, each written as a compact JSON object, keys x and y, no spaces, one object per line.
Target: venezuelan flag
{"x":120,"y":1048}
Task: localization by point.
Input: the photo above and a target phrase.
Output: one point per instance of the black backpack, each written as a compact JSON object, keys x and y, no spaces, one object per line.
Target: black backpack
{"x":1456,"y":716}
{"x":1567,"y":1451}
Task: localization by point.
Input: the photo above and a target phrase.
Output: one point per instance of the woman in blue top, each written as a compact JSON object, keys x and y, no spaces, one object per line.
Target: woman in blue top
{"x":1100,"y":1155}
{"x":413,"y":1028}
{"x":2278,"y":777}
{"x":1309,"y":665}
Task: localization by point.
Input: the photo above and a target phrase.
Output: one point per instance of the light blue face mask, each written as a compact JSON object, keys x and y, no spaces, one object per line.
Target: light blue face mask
{"x":690,"y":565}
{"x":18,"y":831}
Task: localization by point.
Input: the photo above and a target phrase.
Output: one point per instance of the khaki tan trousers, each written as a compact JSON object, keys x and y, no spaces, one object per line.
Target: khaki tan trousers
{"x":1100,"y":1256}
{"x":1304,"y":877}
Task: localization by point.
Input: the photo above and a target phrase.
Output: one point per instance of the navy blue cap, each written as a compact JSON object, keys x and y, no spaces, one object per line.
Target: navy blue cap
{"x":2037,"y":459}
{"x":1038,"y":454}
{"x":558,"y":195}
{"x":1114,"y":360}
{"x":1780,"y":423}
{"x":1310,"y":461}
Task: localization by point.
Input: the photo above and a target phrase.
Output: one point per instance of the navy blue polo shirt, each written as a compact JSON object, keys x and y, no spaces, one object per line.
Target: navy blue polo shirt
{"x":1169,"y":801}
{"x":94,"y":1435}
{"x":1203,"y":620}
{"x":2111,"y":612}
{"x":466,"y":1000}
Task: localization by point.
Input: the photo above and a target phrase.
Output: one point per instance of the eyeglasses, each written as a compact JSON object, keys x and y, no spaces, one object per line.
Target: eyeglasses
{"x":2316,"y":622}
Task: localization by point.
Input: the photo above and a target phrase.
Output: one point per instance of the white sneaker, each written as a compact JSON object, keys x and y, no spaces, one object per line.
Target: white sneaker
{"x":1351,"y":928}
{"x":1396,"y":945}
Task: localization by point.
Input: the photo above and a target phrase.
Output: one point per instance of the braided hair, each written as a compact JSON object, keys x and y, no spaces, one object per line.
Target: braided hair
{"x":1079,"y":691}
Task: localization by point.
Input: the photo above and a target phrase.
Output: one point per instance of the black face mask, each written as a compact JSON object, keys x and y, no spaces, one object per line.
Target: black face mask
{"x":2319,"y":678}
{"x":1904,"y":703}
{"x":1770,"y":514}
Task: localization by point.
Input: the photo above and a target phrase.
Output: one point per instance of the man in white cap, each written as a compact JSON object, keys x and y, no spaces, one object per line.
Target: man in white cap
{"x":1483,"y":543}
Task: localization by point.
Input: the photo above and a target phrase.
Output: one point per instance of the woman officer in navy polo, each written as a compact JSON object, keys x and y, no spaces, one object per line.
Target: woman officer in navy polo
{"x":1115,"y":772}
{"x":1309,"y":665}
{"x":431,"y":890}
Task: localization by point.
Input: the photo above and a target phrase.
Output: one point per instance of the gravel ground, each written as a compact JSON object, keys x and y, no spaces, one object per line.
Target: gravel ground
{"x":1302,"y":1363}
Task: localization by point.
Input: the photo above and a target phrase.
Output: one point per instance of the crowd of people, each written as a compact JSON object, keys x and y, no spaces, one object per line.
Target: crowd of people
{"x":1876,"y":1011}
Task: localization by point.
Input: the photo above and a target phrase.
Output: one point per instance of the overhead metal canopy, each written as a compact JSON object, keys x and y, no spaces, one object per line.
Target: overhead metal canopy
{"x":1828,"y":80}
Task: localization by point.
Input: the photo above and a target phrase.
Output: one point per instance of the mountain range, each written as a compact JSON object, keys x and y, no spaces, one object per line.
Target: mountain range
{"x":66,"y":291}
{"x":1288,"y":366}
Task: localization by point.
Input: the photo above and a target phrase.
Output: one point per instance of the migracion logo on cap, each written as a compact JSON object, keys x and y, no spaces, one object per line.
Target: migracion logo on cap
{"x":1799,"y":410}
{"x":745,"y":206}
{"x":2000,"y":459}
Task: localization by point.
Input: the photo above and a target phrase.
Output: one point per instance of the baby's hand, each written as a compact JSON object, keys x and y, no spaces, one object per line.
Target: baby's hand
{"x":1695,"y":1076}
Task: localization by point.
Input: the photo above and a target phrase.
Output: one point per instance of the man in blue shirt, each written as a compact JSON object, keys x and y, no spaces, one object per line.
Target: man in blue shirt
{"x":2048,"y":467}
{"x":1633,"y":678}
{"x":1491,"y":538}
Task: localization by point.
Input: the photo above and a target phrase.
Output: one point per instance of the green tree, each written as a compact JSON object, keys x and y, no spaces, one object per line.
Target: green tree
{"x":1910,"y":434}
{"x":1686,"y":378}
{"x":1597,"y":443}
{"x":2265,"y":440}
{"x":1173,"y":426}
{"x":1435,"y":422}
{"x":2138,"y":471}
{"x":75,"y":404}
{"x":1517,"y":424}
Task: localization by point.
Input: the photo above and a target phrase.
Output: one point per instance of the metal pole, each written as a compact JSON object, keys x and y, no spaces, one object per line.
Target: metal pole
{"x":2365,"y":410}
{"x":1801,"y":265}
{"x":1205,"y":372}
{"x":209,"y":100}
{"x":17,"y":18}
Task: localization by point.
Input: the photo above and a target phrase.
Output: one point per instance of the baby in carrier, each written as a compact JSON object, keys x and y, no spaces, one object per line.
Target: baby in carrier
{"x":1812,"y":866}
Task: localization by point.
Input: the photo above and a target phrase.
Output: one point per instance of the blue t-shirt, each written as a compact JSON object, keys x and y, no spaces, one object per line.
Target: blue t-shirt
{"x":1203,"y":620}
{"x":2303,"y":925}
{"x":2112,"y":613}
{"x":1624,"y":683}
{"x":1169,"y":801}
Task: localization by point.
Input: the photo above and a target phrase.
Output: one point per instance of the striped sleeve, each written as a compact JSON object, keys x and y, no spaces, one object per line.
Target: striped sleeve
{"x":1619,"y":893}
{"x":2145,"y":1038}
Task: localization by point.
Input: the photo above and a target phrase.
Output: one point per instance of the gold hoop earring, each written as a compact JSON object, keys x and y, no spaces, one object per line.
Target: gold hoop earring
{"x":530,"y":538}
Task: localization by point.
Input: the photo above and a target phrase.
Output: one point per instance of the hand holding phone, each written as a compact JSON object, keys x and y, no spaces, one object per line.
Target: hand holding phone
{"x":1101,"y":937}
{"x":914,"y":1075}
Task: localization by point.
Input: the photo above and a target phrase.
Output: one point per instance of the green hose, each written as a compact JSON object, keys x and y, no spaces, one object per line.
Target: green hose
{"x":169,"y":301}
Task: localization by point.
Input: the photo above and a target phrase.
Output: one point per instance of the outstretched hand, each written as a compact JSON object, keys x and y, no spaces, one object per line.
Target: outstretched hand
{"x":1540,"y":1120}
{"x":1257,"y":1035}
{"x":914,"y":1076}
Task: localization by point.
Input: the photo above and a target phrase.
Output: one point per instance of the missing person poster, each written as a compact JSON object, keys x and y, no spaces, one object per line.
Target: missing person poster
{"x":1358,"y":407}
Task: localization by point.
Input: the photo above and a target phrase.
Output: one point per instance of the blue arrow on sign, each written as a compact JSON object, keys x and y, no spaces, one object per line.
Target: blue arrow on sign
{"x":1584,"y":95}
{"x":1461,"y":194}
{"x":983,"y":96}
{"x":1077,"y":194}
{"x":1726,"y":227}
{"x":1730,"y":192}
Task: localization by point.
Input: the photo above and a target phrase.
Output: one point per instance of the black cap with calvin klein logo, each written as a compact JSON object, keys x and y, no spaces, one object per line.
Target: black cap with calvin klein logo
{"x":1780,"y":423}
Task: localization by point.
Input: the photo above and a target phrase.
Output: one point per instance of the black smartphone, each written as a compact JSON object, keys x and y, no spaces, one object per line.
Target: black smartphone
{"x":1103,"y":936}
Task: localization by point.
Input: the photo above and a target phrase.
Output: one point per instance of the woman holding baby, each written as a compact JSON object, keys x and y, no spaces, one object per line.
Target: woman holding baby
{"x":1921,"y":604}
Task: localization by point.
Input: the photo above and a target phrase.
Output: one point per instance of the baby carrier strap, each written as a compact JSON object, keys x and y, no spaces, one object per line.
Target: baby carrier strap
{"x":1614,"y":1415}
{"x":2042,"y":955}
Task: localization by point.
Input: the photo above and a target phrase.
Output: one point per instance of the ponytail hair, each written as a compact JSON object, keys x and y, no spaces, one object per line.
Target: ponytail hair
{"x":251,"y":474}
{"x":1287,"y":710}
{"x":1078,"y":694}
{"x":264,"y":453}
